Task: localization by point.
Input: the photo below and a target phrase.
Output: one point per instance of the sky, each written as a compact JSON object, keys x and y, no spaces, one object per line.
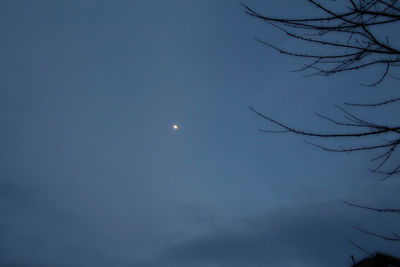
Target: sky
{"x":92,"y":173}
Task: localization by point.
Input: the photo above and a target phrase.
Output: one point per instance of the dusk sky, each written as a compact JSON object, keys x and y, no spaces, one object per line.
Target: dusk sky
{"x":93,"y":174}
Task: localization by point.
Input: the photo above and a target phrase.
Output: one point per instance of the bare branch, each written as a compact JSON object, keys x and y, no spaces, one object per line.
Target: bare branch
{"x":350,"y":149}
{"x":360,"y":248}
{"x":372,"y":208}
{"x":383,"y":76}
{"x":325,"y":135}
{"x":376,"y":235}
{"x":375,"y":104}
{"x":361,"y":49}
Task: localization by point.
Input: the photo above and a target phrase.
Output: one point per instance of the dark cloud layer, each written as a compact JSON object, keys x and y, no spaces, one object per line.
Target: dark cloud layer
{"x":313,"y":234}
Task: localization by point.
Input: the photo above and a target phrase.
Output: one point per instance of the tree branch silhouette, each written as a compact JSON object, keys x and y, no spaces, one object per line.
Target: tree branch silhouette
{"x":356,"y":38}
{"x":348,"y":41}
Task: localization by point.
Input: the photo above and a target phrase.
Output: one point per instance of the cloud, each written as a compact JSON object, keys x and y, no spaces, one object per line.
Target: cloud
{"x":313,"y":234}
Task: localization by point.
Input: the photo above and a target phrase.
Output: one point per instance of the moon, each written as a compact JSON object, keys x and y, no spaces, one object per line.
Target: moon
{"x":175,"y":127}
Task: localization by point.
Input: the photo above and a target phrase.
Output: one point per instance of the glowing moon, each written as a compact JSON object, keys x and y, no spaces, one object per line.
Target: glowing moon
{"x":175,"y":127}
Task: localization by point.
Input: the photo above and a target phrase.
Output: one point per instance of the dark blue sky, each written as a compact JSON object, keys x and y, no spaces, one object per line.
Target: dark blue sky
{"x":91,"y":173}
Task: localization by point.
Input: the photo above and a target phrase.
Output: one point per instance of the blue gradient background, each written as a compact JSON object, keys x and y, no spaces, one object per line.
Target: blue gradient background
{"x":92,"y":175}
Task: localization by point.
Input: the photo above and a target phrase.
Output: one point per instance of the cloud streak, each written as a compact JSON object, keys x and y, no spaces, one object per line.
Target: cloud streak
{"x":313,"y":234}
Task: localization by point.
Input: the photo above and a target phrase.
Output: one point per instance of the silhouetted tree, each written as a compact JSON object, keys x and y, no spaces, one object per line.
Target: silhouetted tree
{"x":356,"y":38}
{"x":348,"y":41}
